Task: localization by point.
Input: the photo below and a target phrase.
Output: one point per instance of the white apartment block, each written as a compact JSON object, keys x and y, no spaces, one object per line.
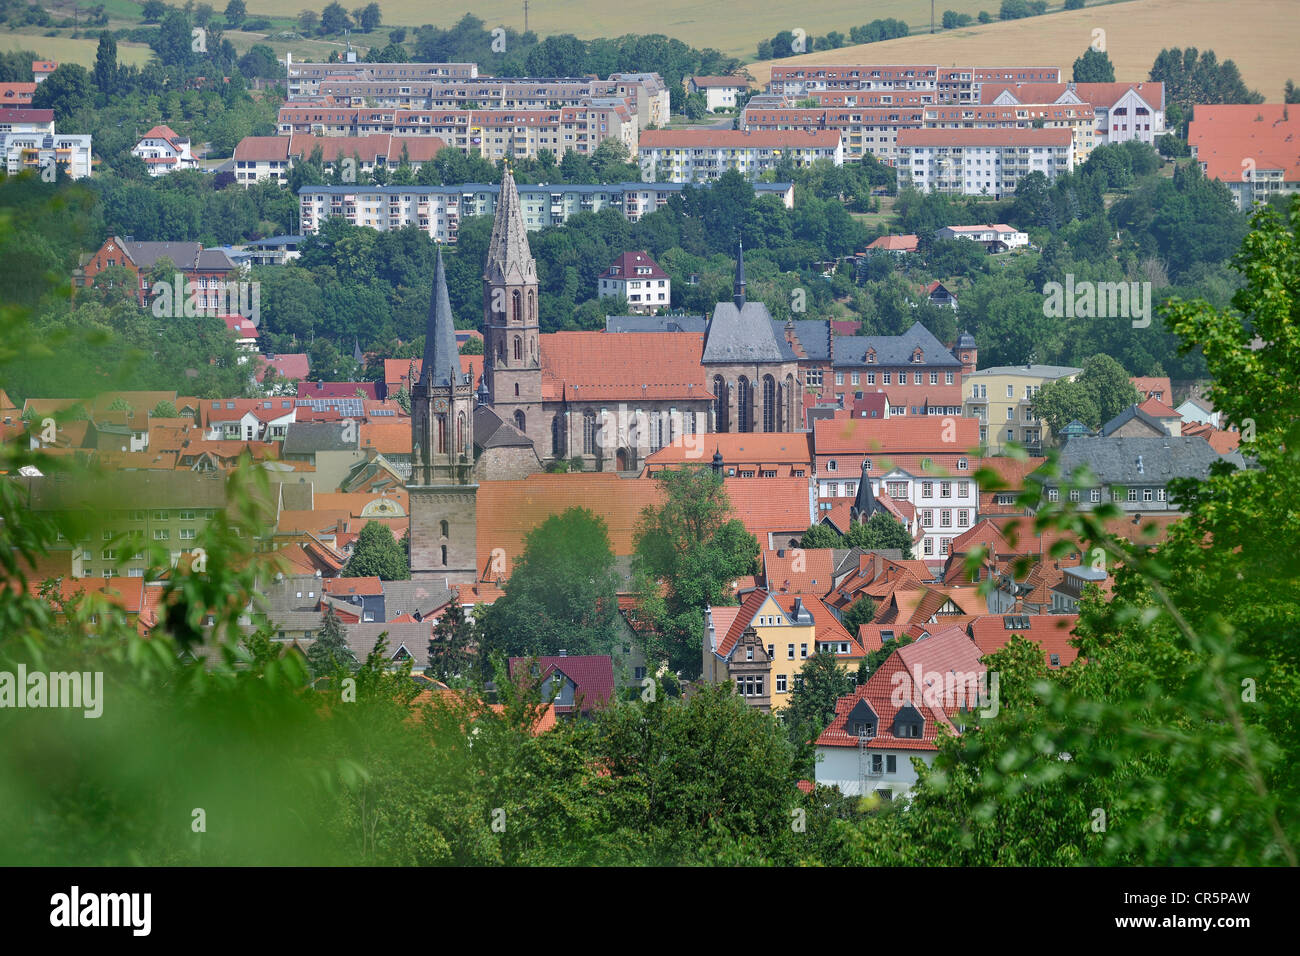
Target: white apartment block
{"x":992,"y":237}
{"x":1076,"y":117}
{"x":864,"y":130}
{"x":702,"y":155}
{"x":438,"y":210}
{"x":304,"y":79}
{"x":1123,"y":111}
{"x":1250,"y":148}
{"x":720,"y":92}
{"x":495,"y":134}
{"x":28,"y":142}
{"x":980,"y":162}
{"x":936,"y":84}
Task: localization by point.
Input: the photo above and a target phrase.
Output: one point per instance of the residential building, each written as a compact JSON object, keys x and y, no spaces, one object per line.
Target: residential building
{"x":720,"y":92}
{"x":210,"y":270}
{"x":895,"y":244}
{"x":579,"y":684}
{"x":1001,"y":398}
{"x":864,"y":130}
{"x":439,"y":209}
{"x":163,"y":151}
{"x":920,"y":691}
{"x":980,"y":162}
{"x":41,"y":69}
{"x":1122,"y":111}
{"x":259,"y":158}
{"x":937,"y":84}
{"x":16,"y":95}
{"x":994,"y":238}
{"x":1133,"y":473}
{"x":304,"y":79}
{"x":701,"y":155}
{"x":1248,"y":147}
{"x":638,"y":279}
{"x":1077,"y":117}
{"x":28,"y":142}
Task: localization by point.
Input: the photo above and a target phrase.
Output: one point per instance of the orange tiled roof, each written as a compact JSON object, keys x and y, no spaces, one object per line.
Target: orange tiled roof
{"x":805,"y":571}
{"x":598,"y":366}
{"x":896,"y":436}
{"x":386,"y":438}
{"x":1052,"y":632}
{"x":775,"y":448}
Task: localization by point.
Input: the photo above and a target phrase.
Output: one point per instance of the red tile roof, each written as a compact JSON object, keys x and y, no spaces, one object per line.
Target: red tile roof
{"x":805,"y":571}
{"x":1158,"y":384}
{"x":1051,"y":632}
{"x":774,"y":448}
{"x":1224,"y":137}
{"x":366,"y":585}
{"x":906,"y":243}
{"x":599,"y":366}
{"x":293,"y":365}
{"x":625,"y":266}
{"x":1158,"y":409}
{"x":950,"y":435}
{"x":592,"y":676}
{"x":770,"y":506}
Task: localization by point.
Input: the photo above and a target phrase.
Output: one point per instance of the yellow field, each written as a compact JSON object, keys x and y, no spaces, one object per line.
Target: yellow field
{"x":734,"y":28}
{"x":67,"y":50}
{"x":1261,"y":36}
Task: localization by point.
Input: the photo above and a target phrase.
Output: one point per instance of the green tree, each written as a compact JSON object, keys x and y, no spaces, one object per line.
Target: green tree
{"x":105,"y":74}
{"x":562,"y":592}
{"x":821,"y":536}
{"x":689,"y":551}
{"x":452,"y":646}
{"x":66,"y":91}
{"x":369,"y":17}
{"x":818,"y":685}
{"x":164,"y":409}
{"x":1094,"y":67}
{"x":330,"y":653}
{"x":377,"y":553}
{"x":862,"y":611}
{"x":236,"y":13}
{"x":880,"y":531}
{"x":472,"y":346}
{"x":334,"y":19}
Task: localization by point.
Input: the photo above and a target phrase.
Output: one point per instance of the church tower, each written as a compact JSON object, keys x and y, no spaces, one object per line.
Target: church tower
{"x":512,"y":347}
{"x":443,"y":517}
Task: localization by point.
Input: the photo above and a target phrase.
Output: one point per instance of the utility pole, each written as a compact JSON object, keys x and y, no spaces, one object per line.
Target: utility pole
{"x":526,"y":15}
{"x":931,"y":16}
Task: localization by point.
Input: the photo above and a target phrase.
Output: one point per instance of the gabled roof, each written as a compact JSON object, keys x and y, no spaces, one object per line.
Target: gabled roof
{"x":799,"y":570}
{"x":630,"y":366}
{"x":895,"y":436}
{"x":904,"y":243}
{"x":1128,"y":415}
{"x":592,"y":676}
{"x":893,"y":351}
{"x":1052,"y":632}
{"x":739,"y":336}
{"x":626,"y":266}
{"x":1142,"y":461}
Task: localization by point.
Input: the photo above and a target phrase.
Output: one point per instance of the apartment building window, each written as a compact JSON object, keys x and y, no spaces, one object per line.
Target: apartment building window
{"x":945,"y":518}
{"x":1095,"y":495}
{"x":927,"y":517}
{"x":888,"y":378}
{"x":780,"y":683}
{"x":1011,"y":391}
{"x":187,"y":534}
{"x":871,"y":378}
{"x":789,"y":651}
{"x":1011,"y":417}
{"x":1074,"y":494}
{"x":1132,"y":494}
{"x":947,"y":378}
{"x":963,"y":518}
{"x":109,"y":555}
{"x":927,"y":489}
{"x":1160,"y":494}
{"x":1116,"y":494}
{"x":161,"y":515}
{"x":855,"y":378}
{"x":839,"y":378}
{"x":1053,"y":494}
{"x":135,"y":516}
{"x":160,"y":534}
{"x":928,"y":546}
{"x":1147,"y":494}
{"x":771,"y":652}
{"x":803,"y":650}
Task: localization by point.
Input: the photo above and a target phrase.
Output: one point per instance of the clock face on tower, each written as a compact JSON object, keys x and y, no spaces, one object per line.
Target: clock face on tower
{"x":439,"y":404}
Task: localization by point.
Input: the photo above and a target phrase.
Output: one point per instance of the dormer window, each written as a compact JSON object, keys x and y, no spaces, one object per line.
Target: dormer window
{"x":871,"y":356}
{"x":918,"y":355}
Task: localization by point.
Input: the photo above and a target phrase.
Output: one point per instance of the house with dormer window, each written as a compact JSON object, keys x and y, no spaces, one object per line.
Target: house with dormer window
{"x":921,"y":692}
{"x":639,"y":279}
{"x":577,"y":684}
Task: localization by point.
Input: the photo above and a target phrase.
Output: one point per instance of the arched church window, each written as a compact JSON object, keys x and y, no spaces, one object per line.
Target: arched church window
{"x":519,"y":349}
{"x":520,"y":422}
{"x":516,"y":302}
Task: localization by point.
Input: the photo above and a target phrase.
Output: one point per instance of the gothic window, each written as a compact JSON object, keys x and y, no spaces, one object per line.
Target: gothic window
{"x":557,"y":435}
{"x":516,"y":303}
{"x":769,"y":403}
{"x":444,"y":555}
{"x":501,"y":351}
{"x":443,"y":528}
{"x":532,"y":306}
{"x":460,"y":433}
{"x":442,"y":433}
{"x":589,"y":433}
{"x":516,"y":389}
{"x":519,"y":349}
{"x":744,"y":406}
{"x":719,"y":404}
{"x":520,"y":422}
{"x":788,"y":400}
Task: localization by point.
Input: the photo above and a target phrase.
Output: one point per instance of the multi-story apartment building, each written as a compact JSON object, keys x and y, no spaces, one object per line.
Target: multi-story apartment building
{"x":169,"y":509}
{"x":720,"y":92}
{"x":980,"y":162}
{"x":28,"y":142}
{"x":638,"y":279}
{"x":439,"y":209}
{"x":496,"y":134}
{"x":865,"y":130}
{"x":1251,"y":148}
{"x":700,"y":155}
{"x":304,"y":79}
{"x":1122,"y":111}
{"x":955,"y":85}
{"x":1077,"y":117}
{"x":207,"y":269}
{"x":1000,"y":399}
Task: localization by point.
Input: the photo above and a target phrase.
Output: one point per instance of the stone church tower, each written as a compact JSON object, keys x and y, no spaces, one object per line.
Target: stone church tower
{"x":512,"y":347}
{"x":443,"y":528}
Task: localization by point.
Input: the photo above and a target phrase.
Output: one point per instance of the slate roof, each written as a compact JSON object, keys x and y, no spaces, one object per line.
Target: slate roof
{"x":414,"y":597}
{"x":307,"y":438}
{"x":1126,"y":416}
{"x":656,"y":323}
{"x":738,"y":336}
{"x":491,"y":432}
{"x":440,"y":366}
{"x":894,"y":350}
{"x":1115,"y":460}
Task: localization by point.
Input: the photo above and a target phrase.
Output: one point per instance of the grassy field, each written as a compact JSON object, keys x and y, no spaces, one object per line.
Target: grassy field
{"x":729,"y":27}
{"x":1262,"y":36}
{"x":68,"y":50}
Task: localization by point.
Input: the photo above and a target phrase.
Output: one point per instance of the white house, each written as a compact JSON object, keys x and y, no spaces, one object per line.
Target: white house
{"x":637,"y":278}
{"x":1199,"y":410}
{"x":720,"y":92}
{"x":917,"y":694}
{"x":994,"y":238}
{"x":164,"y":150}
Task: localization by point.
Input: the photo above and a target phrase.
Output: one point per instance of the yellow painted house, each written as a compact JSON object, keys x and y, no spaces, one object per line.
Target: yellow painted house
{"x":787,"y":630}
{"x":1001,"y":398}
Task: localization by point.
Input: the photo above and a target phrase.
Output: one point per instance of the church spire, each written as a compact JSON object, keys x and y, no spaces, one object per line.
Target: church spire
{"x":509,"y":260}
{"x":738,"y":290}
{"x":441,"y":360}
{"x":865,"y":503}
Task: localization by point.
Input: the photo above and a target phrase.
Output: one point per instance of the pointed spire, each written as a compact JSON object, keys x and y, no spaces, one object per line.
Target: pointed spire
{"x":865,"y":504}
{"x":441,"y":360}
{"x":738,"y":290}
{"x":484,"y":395}
{"x":509,"y":259}
{"x":357,"y":355}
